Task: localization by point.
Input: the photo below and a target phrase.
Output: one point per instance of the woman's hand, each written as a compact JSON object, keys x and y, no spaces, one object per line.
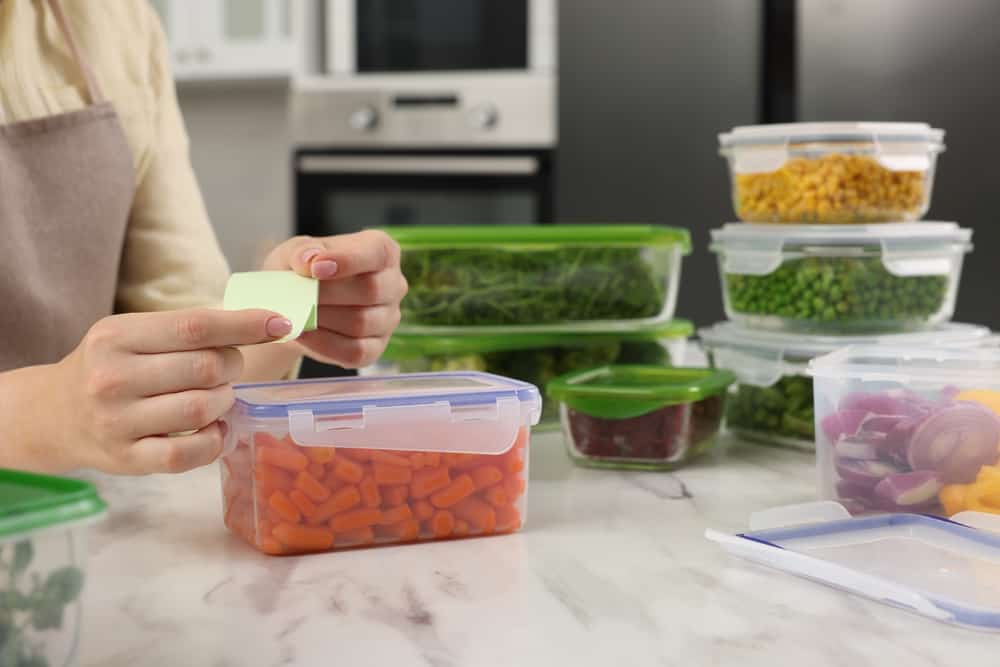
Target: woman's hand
{"x":136,"y":378}
{"x":359,"y":295}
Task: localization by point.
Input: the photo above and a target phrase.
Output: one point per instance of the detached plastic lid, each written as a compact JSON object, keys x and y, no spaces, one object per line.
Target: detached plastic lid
{"x":948,"y":570}
{"x":625,"y":391}
{"x":761,"y":357}
{"x":533,"y":236}
{"x":29,"y":502}
{"x":405,"y":345}
{"x":466,"y":412}
{"x":780,"y":133}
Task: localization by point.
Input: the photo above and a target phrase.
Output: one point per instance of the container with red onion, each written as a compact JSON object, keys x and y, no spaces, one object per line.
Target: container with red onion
{"x":905,"y":429}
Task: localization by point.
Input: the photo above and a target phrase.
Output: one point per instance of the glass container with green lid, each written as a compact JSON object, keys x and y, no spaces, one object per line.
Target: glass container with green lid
{"x":640,"y":417}
{"x":42,"y":566}
{"x":540,"y":277}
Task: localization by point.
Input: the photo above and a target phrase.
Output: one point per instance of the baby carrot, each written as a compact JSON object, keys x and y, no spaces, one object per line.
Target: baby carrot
{"x":432,"y":459}
{"x":303,"y":538}
{"x":320,"y":455}
{"x":270,"y":546}
{"x":466,"y":461}
{"x":311,"y":486}
{"x":423,"y":510}
{"x":272,"y":476}
{"x":395,"y":515}
{"x":508,"y":519}
{"x":461,"y":529}
{"x":390,"y":458}
{"x":349,"y":471}
{"x":284,"y":507}
{"x":341,"y":501}
{"x":417,"y":461}
{"x":460,"y":488}
{"x":477,"y":513}
{"x":391,"y":474}
{"x":354,"y":519}
{"x":264,"y":439}
{"x":515,"y":462}
{"x":442,"y":523}
{"x":358,"y":455}
{"x":264,"y":528}
{"x":428,"y":480}
{"x":281,"y":458}
{"x":369,"y":492}
{"x":331,"y":481}
{"x":485,"y":476}
{"x":356,"y":537}
{"x":514,"y":487}
{"x":395,"y":495}
{"x":496,"y":496}
{"x":401,"y":531}
{"x":302,"y":502}
{"x":317,"y":470}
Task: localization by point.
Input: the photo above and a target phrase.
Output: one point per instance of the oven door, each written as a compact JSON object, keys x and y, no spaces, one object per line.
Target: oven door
{"x":338,"y":192}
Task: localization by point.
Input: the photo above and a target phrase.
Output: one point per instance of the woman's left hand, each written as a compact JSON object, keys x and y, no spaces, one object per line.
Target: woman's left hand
{"x":361,"y":286}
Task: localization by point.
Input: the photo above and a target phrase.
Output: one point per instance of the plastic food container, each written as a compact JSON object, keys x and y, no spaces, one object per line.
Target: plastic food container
{"x":640,"y":417}
{"x":909,"y":429}
{"x":43,"y":523}
{"x":772,"y":399}
{"x":535,"y":277}
{"x":845,"y":279}
{"x":321,"y":465}
{"x":535,"y":358}
{"x":834,"y":173}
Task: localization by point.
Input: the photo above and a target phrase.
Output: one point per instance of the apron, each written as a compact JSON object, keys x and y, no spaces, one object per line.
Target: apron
{"x":66,"y":188}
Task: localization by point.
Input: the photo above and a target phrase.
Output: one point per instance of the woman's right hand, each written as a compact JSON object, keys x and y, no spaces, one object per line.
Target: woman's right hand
{"x":136,"y":378}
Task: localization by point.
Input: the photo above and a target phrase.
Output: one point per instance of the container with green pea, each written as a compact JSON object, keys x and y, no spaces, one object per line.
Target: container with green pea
{"x":772,"y":399}
{"x":841,"y":279}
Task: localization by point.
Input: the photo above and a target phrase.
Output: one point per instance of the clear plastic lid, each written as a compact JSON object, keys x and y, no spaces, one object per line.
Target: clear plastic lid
{"x":948,"y":570}
{"x":762,"y":358}
{"x":780,"y":133}
{"x":909,"y":364}
{"x":906,"y":248}
{"x":453,"y":412}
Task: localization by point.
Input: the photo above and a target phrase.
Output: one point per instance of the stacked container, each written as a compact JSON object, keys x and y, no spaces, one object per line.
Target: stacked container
{"x":830,"y":252}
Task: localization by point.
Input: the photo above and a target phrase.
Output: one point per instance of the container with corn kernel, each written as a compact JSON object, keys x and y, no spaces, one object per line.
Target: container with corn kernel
{"x":321,"y":465}
{"x":832,"y":173}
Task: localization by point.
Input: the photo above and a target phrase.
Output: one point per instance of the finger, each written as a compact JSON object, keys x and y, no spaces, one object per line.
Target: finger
{"x":179,"y":453}
{"x":179,"y":371}
{"x":342,"y":256}
{"x":345,"y":351}
{"x":359,"y":321}
{"x":183,"y":411}
{"x":367,"y":289}
{"x":196,"y":329}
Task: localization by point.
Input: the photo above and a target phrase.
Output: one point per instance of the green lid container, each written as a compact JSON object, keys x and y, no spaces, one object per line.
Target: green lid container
{"x":613,"y":235}
{"x":30,"y":502}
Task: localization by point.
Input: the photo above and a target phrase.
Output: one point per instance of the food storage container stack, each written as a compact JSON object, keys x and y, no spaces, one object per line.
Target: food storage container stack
{"x":534,"y":302}
{"x":831,"y":251}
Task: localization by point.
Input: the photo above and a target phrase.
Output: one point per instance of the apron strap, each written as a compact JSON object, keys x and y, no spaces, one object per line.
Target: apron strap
{"x":93,"y":87}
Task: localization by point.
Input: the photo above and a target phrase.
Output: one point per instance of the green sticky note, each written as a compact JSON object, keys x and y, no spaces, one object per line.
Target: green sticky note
{"x":294,"y":296}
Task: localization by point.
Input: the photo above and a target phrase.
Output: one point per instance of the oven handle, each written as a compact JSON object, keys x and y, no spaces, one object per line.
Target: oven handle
{"x":430,"y":164}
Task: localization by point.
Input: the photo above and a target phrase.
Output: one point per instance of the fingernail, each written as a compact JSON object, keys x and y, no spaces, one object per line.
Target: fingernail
{"x":278,"y":327}
{"x":324,"y":268}
{"x":307,"y":255}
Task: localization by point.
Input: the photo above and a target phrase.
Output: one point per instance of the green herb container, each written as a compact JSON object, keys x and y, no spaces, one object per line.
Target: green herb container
{"x":771,"y":402}
{"x":534,"y":357}
{"x":540,"y":277}
{"x":640,"y":417}
{"x":841,"y":279}
{"x":42,"y":566}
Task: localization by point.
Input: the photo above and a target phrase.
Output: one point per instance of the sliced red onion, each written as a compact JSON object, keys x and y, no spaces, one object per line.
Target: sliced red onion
{"x":895,"y":402}
{"x":848,"y":448}
{"x":909,"y":489}
{"x":865,"y":473}
{"x":956,"y":442}
{"x":842,"y":423}
{"x":847,"y":490}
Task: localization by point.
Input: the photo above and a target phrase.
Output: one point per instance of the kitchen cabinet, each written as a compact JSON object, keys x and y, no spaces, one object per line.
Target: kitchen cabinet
{"x":228,"y":39}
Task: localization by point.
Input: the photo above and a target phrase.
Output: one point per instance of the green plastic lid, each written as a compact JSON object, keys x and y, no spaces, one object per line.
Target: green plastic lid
{"x":405,"y":345}
{"x":30,"y":502}
{"x":451,"y":236}
{"x":621,"y":392}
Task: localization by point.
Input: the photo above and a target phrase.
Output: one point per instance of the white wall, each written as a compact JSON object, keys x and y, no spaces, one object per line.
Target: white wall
{"x":240,"y":150}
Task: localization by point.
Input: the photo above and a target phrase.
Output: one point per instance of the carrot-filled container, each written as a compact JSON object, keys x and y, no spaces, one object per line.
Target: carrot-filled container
{"x":322,"y":465}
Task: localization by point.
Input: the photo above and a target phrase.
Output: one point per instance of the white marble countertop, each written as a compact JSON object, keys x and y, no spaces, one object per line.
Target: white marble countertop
{"x":611,"y":569}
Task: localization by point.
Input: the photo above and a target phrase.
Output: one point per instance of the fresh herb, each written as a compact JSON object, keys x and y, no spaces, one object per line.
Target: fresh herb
{"x":496,"y":286}
{"x":784,"y":410}
{"x":540,"y":365}
{"x":839,"y":294}
{"x":30,"y":605}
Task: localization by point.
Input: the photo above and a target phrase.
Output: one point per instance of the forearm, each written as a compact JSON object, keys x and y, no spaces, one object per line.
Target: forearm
{"x":31,"y":412}
{"x":275,"y":361}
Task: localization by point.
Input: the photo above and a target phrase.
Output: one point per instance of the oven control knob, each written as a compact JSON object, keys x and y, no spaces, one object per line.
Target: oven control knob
{"x":484,"y":117}
{"x":363,"y":119}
